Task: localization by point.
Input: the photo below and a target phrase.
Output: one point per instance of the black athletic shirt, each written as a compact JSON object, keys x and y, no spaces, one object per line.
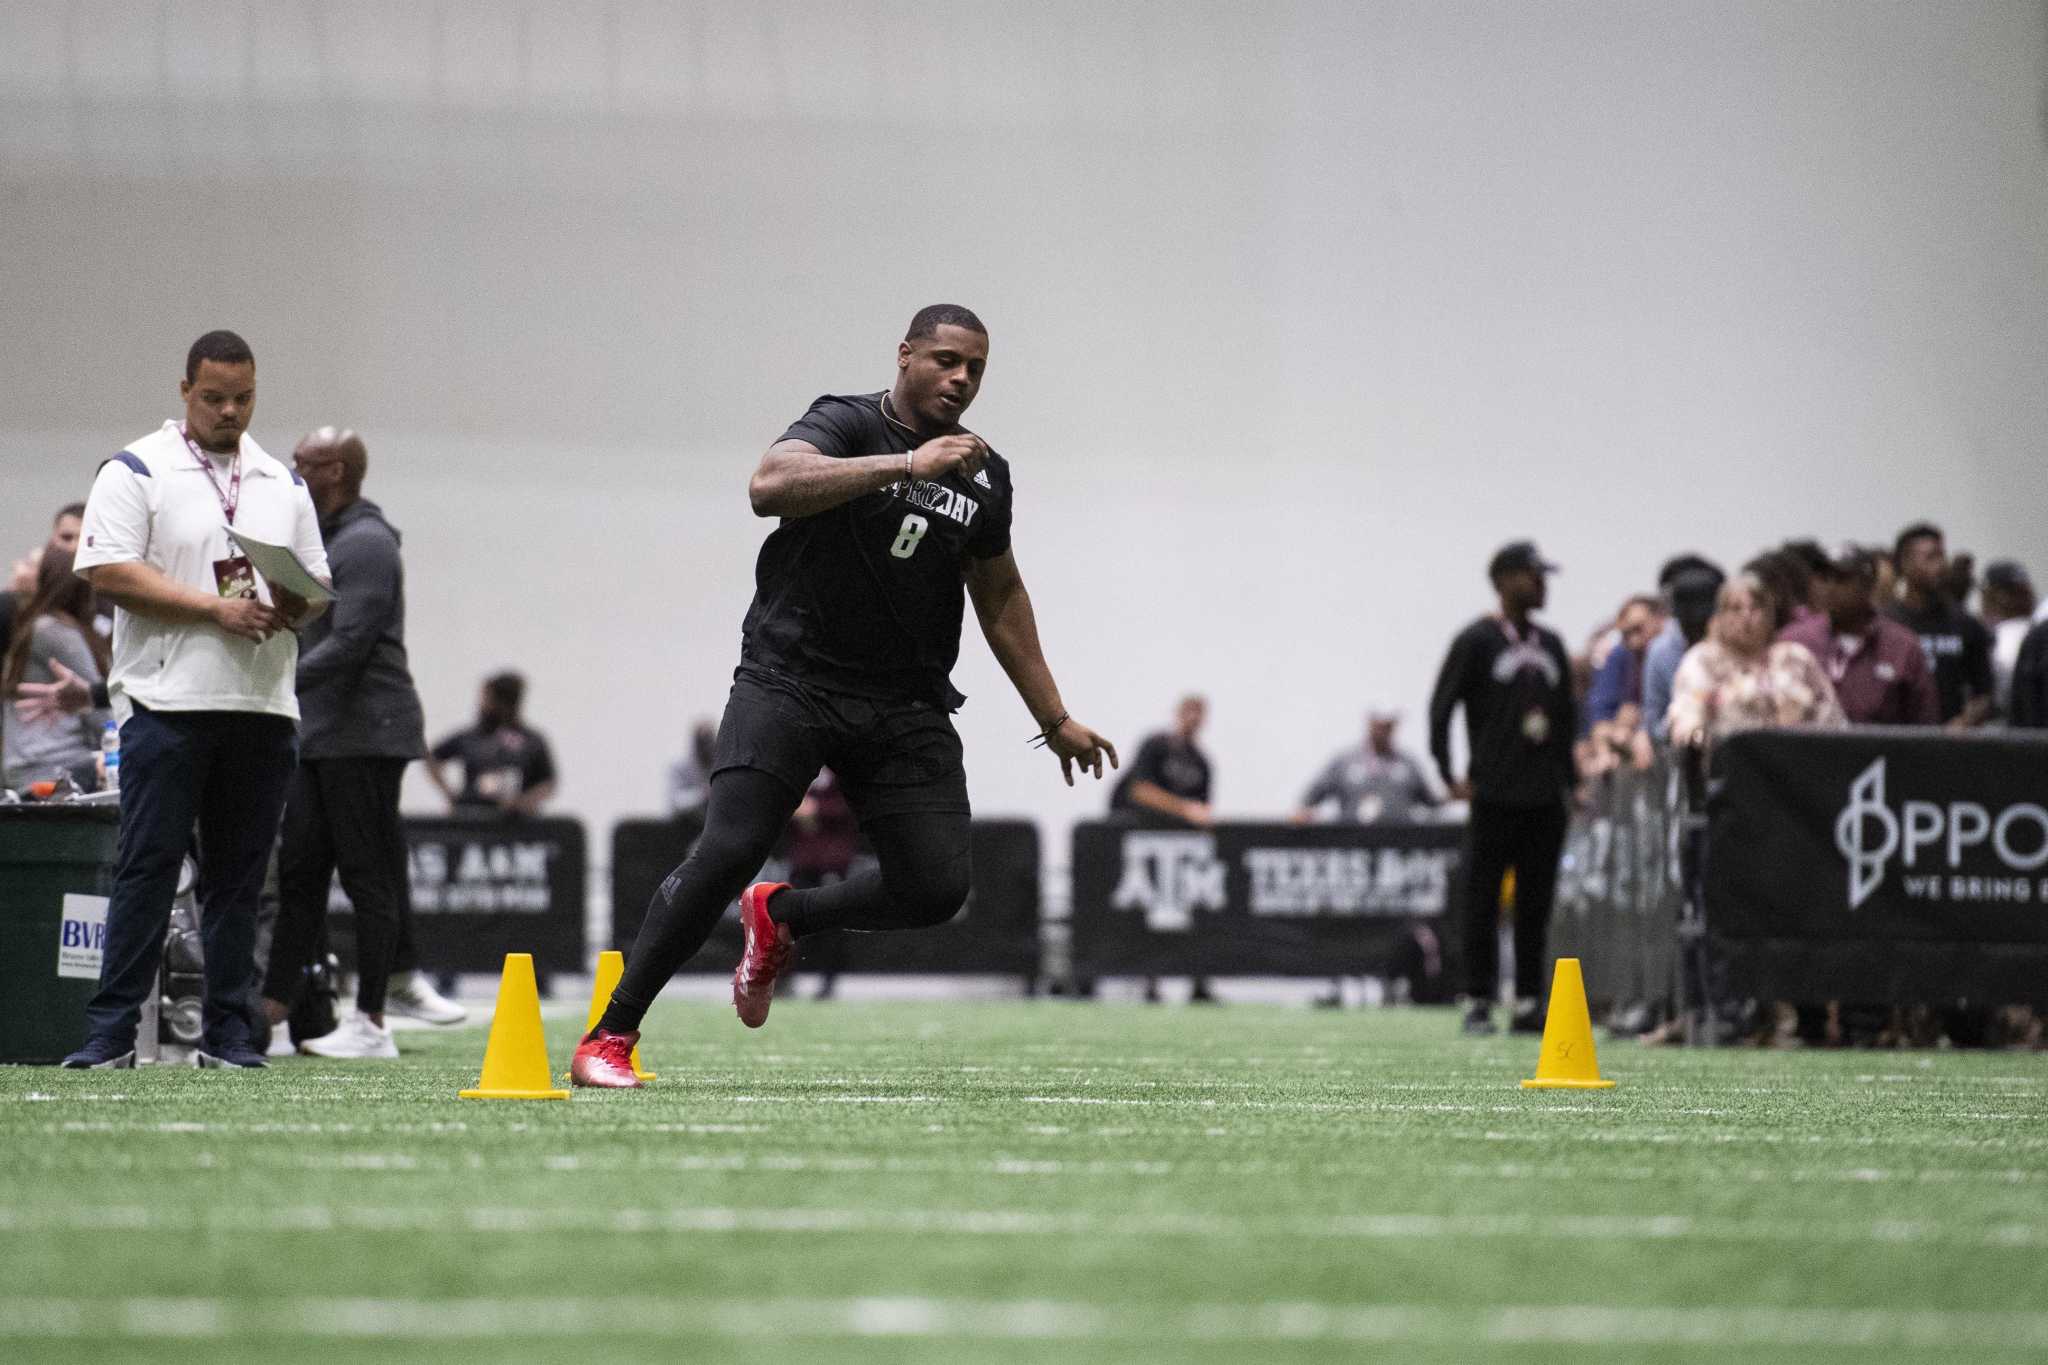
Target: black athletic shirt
{"x":867,"y":597}
{"x":1166,"y":762}
{"x":1958,"y":651}
{"x":1516,"y":688}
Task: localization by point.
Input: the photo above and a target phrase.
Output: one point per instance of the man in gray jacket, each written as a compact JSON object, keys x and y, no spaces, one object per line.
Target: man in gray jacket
{"x":360,"y":726}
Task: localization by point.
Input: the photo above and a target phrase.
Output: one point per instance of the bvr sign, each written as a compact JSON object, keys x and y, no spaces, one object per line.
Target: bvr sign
{"x":82,"y":937}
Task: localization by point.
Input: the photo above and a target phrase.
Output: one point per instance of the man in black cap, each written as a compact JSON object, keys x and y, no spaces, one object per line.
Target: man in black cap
{"x":1877,"y":667}
{"x":1514,"y":680}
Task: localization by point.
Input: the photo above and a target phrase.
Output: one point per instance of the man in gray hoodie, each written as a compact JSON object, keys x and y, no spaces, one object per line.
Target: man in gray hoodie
{"x":360,"y":726}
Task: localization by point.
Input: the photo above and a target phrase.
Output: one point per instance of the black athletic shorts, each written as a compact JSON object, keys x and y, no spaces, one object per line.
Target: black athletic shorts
{"x":891,"y":757}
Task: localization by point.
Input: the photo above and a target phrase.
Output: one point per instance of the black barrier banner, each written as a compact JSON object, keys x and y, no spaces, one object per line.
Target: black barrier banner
{"x":995,"y":933}
{"x":1259,"y":900}
{"x":1878,"y":865}
{"x":485,"y":888}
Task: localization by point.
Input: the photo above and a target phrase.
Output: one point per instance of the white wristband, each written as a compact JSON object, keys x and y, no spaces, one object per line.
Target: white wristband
{"x":909,"y":469}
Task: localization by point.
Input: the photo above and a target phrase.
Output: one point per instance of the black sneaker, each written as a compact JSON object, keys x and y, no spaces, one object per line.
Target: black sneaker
{"x":1479,"y":1022}
{"x":1528,"y":1017}
{"x":232,"y":1054}
{"x":102,"y":1054}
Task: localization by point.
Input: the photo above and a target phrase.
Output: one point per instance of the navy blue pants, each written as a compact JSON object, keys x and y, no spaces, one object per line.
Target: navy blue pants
{"x":1530,"y":840}
{"x":226,"y":771}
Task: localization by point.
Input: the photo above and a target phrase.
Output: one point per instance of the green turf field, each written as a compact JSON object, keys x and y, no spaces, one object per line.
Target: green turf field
{"x":1056,"y":1182}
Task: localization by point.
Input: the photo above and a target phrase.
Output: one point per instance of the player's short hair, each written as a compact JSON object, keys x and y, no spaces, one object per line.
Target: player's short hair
{"x":934,"y":316}
{"x":69,"y":509}
{"x":223,"y":347}
{"x":1919,"y":530}
{"x":506,"y":689}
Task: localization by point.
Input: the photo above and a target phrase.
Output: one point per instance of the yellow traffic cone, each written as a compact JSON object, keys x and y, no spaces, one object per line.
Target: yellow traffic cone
{"x":611,"y":965}
{"x":516,"y":1057}
{"x":1567,"y":1061}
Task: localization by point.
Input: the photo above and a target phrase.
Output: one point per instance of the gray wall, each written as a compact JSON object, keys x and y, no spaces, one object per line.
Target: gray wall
{"x":1298,"y":311}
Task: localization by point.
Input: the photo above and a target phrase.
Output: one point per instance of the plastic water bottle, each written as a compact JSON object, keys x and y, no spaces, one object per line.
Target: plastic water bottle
{"x":110,"y":753}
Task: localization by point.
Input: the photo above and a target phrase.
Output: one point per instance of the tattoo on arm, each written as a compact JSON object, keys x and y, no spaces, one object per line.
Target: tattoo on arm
{"x":798,"y":480}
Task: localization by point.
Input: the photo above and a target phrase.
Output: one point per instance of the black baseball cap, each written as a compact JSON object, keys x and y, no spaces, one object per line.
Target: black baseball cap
{"x":1851,"y":561}
{"x":2008,"y":575}
{"x":1516,"y":555}
{"x":1694,"y":590}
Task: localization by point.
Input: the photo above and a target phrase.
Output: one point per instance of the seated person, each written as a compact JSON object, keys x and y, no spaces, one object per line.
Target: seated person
{"x":506,"y":766}
{"x":53,"y":632}
{"x":1372,"y":782}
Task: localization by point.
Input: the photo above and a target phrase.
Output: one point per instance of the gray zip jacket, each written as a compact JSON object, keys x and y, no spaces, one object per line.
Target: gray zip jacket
{"x":356,"y":698}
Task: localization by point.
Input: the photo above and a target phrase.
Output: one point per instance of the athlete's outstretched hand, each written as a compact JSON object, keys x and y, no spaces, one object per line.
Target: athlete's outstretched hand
{"x":1077,"y":745}
{"x":943,"y":454}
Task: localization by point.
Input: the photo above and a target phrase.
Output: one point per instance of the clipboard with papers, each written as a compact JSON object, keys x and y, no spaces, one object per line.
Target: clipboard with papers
{"x":281,"y":568}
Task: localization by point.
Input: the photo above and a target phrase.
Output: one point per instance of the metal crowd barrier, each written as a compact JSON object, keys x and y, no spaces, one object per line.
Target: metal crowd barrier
{"x":1620,"y":891}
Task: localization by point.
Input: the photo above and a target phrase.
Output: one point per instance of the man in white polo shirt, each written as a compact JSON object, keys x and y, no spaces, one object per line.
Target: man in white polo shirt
{"x":202,"y":684}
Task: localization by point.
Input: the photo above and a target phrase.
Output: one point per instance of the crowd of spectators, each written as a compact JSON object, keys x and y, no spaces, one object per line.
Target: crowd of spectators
{"x":1867,"y":635}
{"x":1800,"y":635}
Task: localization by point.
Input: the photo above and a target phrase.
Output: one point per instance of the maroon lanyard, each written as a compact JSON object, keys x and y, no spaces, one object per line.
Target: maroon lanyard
{"x":231,"y":496}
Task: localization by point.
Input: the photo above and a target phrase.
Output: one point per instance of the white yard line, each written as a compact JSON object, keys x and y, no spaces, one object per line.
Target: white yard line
{"x":1875,"y":1330}
{"x":601,"y":1162}
{"x":1341,"y":1227}
{"x":1552,"y":1121}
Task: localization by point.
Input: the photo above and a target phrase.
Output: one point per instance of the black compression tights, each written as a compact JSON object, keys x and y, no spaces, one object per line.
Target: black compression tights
{"x":922,"y":881}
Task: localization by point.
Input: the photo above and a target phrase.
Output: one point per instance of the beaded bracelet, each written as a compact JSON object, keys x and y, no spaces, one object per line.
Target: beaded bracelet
{"x":1044,"y":737}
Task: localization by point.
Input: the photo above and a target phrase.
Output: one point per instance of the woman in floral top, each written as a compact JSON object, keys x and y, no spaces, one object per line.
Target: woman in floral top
{"x":1737,"y":679}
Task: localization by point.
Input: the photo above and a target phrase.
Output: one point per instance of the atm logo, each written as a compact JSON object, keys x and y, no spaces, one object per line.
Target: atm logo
{"x":1168,"y":877}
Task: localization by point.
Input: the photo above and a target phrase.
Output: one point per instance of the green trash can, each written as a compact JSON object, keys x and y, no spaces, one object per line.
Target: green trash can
{"x":56,"y":868}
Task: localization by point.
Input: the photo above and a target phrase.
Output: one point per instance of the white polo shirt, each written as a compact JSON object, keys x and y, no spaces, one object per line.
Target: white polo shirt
{"x":155,"y":504}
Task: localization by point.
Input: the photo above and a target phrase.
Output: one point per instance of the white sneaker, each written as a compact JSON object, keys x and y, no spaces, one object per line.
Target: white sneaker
{"x":280,"y":1043}
{"x":356,"y":1037}
{"x":413,"y":996}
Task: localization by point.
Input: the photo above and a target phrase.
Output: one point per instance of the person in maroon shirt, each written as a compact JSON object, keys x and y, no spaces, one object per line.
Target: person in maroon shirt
{"x":1877,"y":665}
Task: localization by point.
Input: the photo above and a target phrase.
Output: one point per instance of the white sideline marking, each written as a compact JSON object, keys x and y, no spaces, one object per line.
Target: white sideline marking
{"x":837,"y":1099}
{"x":1020,"y":1223}
{"x":1536,"y":1129}
{"x":1021,"y":1319}
{"x":1754,"y":1175}
{"x":1026,"y":1164}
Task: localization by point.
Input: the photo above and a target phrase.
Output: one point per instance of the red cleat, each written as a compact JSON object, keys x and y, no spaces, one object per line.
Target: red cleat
{"x":605,"y":1060}
{"x":767,"y":953}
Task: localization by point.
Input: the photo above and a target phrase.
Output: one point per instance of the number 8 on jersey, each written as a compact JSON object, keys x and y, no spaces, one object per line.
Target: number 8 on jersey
{"x":914,"y":527}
